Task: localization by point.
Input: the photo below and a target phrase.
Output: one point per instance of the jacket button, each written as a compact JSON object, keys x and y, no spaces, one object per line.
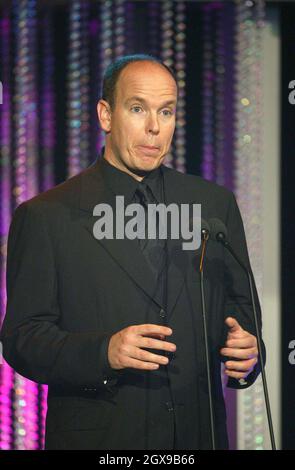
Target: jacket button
{"x":243,"y":382}
{"x":169,"y":406}
{"x":162,"y":313}
{"x":110,"y":380}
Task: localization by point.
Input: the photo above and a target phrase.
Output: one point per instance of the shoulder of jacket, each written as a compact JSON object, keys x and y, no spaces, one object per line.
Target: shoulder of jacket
{"x":200,"y":184}
{"x":62,"y":195}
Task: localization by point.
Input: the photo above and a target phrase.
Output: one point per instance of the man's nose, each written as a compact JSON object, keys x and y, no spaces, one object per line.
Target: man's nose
{"x":153,"y":124}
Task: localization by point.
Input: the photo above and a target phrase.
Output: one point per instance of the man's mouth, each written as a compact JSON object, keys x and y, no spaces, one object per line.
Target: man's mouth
{"x":148,"y":149}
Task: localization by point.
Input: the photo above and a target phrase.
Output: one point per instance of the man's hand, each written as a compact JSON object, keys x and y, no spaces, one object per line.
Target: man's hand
{"x":241,"y":345}
{"x":125,"y":347}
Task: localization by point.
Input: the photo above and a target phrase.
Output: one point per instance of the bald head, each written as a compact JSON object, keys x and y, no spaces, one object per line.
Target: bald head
{"x":114,"y":70}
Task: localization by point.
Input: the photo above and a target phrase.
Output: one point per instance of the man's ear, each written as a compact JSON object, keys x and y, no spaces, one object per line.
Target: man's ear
{"x":104,"y":115}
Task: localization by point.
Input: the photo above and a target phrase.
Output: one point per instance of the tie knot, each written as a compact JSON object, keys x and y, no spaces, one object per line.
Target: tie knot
{"x":145,"y":194}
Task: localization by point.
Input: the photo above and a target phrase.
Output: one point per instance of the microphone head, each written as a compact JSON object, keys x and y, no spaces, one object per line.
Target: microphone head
{"x":205,"y":229}
{"x":205,"y":225}
{"x":201,"y":224}
{"x":218,"y":230}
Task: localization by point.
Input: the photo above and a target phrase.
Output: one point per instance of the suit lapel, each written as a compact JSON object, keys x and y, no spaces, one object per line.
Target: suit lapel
{"x":127,"y":253}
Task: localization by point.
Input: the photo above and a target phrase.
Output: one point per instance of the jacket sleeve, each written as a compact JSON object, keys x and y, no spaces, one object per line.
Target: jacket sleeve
{"x":238,"y":299}
{"x":33,"y":343}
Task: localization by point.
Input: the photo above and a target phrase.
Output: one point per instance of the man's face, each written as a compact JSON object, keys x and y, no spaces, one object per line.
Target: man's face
{"x":141,"y":126}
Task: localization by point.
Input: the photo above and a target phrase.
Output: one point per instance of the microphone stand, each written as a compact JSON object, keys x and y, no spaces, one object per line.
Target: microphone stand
{"x":221,"y":238}
{"x":205,"y":237}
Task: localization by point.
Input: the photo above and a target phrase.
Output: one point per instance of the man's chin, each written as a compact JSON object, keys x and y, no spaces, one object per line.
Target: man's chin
{"x":144,"y":167}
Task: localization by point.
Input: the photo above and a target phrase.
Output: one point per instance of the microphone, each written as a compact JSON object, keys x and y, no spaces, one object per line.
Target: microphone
{"x":218,"y":233}
{"x":205,"y":228}
{"x":205,"y":233}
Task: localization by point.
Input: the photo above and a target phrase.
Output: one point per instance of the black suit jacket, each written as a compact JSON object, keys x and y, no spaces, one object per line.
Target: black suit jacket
{"x":69,"y":292}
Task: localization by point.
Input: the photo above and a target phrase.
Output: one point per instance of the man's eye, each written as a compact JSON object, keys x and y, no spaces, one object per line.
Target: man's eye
{"x":136,"y":107}
{"x":167,"y":112}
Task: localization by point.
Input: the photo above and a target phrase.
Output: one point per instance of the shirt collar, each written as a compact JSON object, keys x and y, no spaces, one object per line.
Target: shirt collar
{"x":124,"y":184}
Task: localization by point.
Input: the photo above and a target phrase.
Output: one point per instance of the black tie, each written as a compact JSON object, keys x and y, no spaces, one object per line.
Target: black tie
{"x":152,"y":248}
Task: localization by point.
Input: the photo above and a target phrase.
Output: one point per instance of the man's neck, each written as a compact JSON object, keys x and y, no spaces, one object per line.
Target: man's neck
{"x":112,"y":161}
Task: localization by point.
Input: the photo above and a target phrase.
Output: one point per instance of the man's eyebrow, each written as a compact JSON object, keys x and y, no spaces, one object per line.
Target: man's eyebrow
{"x":142,"y":100}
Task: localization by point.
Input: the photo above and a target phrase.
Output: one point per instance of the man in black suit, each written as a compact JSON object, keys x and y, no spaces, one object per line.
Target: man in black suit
{"x":115,"y":327}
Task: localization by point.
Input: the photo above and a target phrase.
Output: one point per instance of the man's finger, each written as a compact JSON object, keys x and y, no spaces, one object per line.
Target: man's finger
{"x":155,"y":344}
{"x":136,"y":364}
{"x":146,"y":356}
{"x":149,"y":328}
{"x":239,"y":353}
{"x":241,"y":365}
{"x":157,"y":335}
{"x":245,"y":342}
{"x":236,"y":375}
{"x":233,"y":324}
